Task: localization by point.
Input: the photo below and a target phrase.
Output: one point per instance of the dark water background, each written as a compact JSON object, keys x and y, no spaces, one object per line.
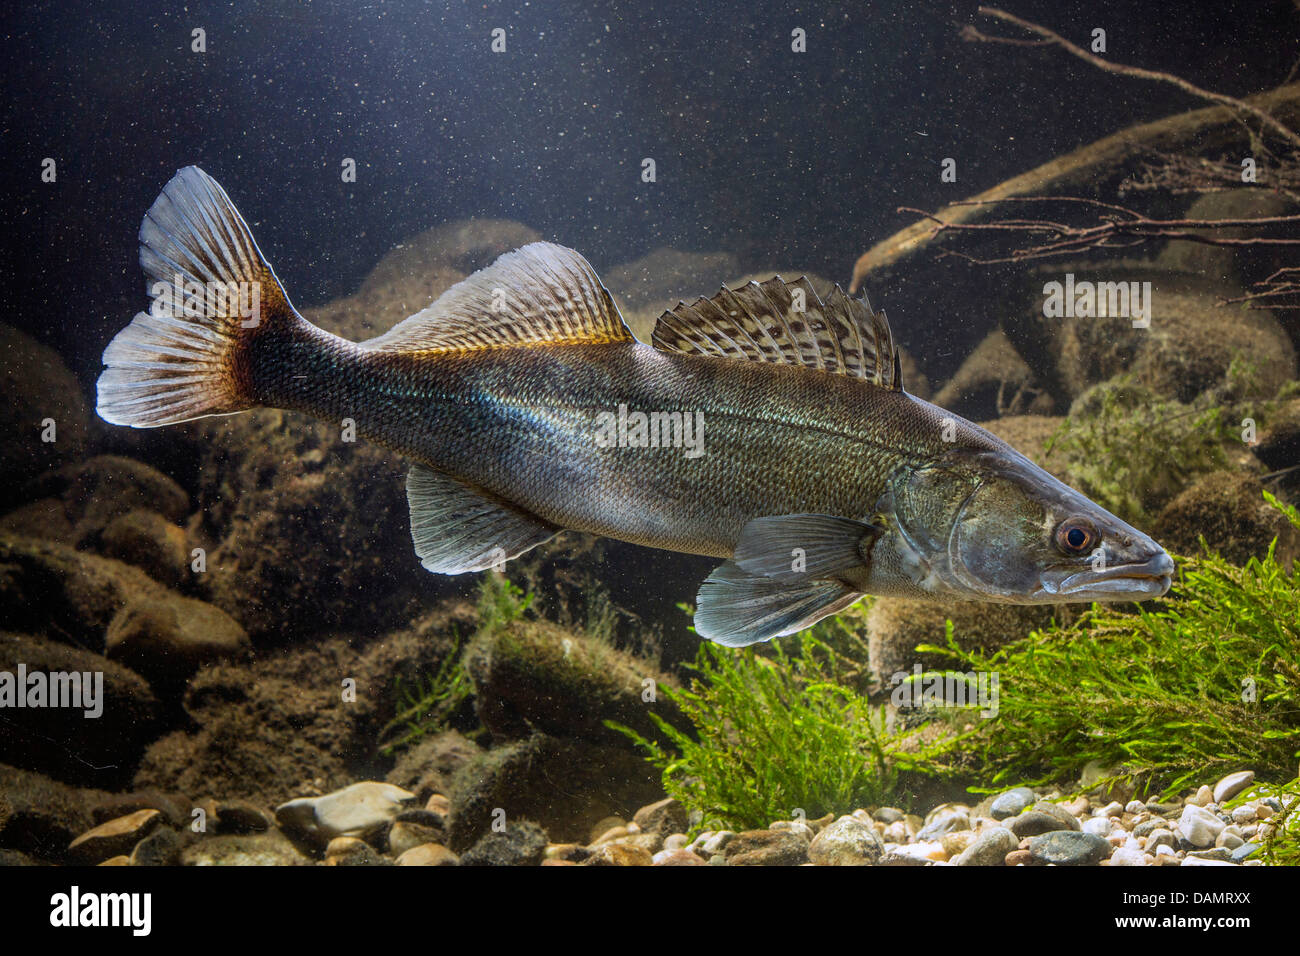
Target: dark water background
{"x":781,"y":158}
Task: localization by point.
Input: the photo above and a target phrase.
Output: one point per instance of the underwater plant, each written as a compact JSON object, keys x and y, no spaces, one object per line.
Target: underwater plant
{"x":1130,"y":450}
{"x":427,"y":705}
{"x":781,"y":734}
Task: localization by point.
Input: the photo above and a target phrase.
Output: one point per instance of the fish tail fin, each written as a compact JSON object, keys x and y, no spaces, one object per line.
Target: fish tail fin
{"x":214,"y":297}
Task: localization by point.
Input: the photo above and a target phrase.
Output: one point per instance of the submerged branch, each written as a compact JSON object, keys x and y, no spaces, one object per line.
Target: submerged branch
{"x":1101,"y":63}
{"x":1118,"y":227}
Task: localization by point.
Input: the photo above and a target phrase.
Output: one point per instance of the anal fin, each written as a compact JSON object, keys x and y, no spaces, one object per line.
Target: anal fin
{"x":458,"y":529}
{"x":737,"y":608}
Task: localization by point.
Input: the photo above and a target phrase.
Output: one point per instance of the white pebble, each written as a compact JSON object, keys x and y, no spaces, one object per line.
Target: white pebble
{"x":1243,"y":814}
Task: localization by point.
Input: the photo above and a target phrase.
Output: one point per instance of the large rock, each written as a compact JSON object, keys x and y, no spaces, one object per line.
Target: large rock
{"x":1229,"y":510}
{"x":62,"y":741}
{"x":534,"y":676}
{"x":39,"y":816}
{"x":358,"y":810}
{"x":37,"y":387}
{"x":312,"y":531}
{"x":73,"y":505}
{"x":1193,"y":345}
{"x":168,"y":638}
{"x":896,"y":626}
{"x":992,"y":382}
{"x":286,"y":724}
{"x":566,"y":786}
{"x":95,"y":602}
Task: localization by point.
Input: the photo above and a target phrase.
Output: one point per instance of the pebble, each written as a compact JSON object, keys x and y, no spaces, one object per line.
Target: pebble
{"x":1243,"y":814}
{"x":351,"y":851}
{"x":1244,"y":851}
{"x":1059,"y":812}
{"x":662,"y":817}
{"x":1078,"y":807}
{"x":944,"y":819}
{"x":1197,"y":861}
{"x":846,"y":842}
{"x":1033,"y":822}
{"x":407,"y":836}
{"x":1233,"y":784}
{"x":1019,"y":858}
{"x":888,"y":815}
{"x":1069,"y":848}
{"x":1217,"y":853}
{"x":1012,"y":803}
{"x":1229,"y":840}
{"x":955,"y":843}
{"x":923,"y":851}
{"x":767,"y":848}
{"x":358,"y":810}
{"x":1110,"y":810}
{"x":162,"y":847}
{"x":1135,"y":807}
{"x":1198,"y":826}
{"x":1147,"y":827}
{"x":619,"y":854}
{"x":602,"y":826}
{"x":1158,"y":838}
{"x":896,"y":832}
{"x":428,"y":854}
{"x":989,"y":848}
{"x":115,"y":837}
{"x":676,"y":841}
{"x":437,"y":803}
{"x":678,"y":857}
{"x":1204,"y":797}
{"x":716,"y":843}
{"x":1127,"y":857}
{"x":1098,"y":826}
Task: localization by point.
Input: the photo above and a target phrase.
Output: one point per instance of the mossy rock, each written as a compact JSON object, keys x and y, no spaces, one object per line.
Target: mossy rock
{"x":566,"y":786}
{"x":1229,"y":510}
{"x":897,"y":626}
{"x":536,"y":676}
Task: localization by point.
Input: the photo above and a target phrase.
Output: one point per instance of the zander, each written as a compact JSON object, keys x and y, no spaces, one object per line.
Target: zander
{"x":816,"y":475}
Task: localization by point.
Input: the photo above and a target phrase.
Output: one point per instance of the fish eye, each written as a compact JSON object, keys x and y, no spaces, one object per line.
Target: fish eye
{"x":1076,"y":536}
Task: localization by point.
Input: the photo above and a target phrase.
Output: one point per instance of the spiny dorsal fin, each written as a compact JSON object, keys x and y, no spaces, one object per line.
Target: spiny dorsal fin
{"x":539,"y":294}
{"x":759,"y":323}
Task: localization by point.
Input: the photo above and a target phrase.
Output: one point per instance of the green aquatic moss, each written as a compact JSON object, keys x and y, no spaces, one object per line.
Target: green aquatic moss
{"x":778,"y":734}
{"x":427,"y":705}
{"x":1131,"y":451}
{"x":1204,"y":682}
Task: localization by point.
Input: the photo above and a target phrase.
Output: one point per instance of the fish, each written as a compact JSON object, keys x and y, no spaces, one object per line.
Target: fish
{"x":764,"y":426}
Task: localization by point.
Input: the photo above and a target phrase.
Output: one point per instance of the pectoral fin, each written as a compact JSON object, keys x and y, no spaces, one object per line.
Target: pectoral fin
{"x":737,"y":608}
{"x":457,"y":528}
{"x":797,"y":548}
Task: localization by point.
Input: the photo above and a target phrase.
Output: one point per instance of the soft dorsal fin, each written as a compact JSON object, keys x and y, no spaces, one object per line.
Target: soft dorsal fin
{"x":540,"y":293}
{"x":759,"y":323}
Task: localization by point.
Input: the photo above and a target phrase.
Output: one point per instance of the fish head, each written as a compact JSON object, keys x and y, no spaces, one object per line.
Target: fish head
{"x":993,"y":526}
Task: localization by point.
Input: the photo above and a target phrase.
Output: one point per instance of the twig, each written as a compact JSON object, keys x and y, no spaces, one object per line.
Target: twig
{"x":1135,"y":71}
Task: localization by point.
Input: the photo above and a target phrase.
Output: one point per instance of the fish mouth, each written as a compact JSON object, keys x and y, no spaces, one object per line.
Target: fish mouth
{"x":1150,"y":578}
